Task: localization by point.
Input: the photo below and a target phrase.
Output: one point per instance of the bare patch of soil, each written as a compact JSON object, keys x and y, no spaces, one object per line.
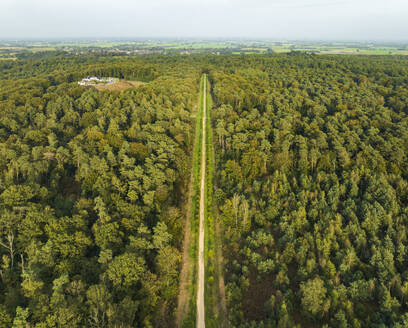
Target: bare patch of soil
{"x":119,"y":86}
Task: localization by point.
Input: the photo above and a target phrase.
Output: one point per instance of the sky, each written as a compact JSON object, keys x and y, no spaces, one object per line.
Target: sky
{"x":347,"y":20}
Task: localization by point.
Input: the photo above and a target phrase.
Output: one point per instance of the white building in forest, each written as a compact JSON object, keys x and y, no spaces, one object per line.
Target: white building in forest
{"x":94,"y":80}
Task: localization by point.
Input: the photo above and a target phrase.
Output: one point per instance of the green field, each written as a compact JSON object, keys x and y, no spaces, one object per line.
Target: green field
{"x":196,"y":45}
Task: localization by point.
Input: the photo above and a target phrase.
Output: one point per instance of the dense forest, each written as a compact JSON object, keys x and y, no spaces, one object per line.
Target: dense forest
{"x":91,"y":191}
{"x":312,"y":181}
{"x":310,"y":185}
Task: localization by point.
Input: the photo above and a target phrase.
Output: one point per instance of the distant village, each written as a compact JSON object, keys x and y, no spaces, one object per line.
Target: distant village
{"x":95,"y":80}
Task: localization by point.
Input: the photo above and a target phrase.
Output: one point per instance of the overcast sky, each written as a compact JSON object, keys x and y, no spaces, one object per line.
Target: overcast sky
{"x":274,"y":19}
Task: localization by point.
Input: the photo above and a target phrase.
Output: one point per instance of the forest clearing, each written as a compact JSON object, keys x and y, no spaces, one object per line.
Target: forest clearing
{"x":119,"y":85}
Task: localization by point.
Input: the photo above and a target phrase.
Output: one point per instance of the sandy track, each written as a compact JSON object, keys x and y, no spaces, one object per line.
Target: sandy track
{"x":200,"y":323}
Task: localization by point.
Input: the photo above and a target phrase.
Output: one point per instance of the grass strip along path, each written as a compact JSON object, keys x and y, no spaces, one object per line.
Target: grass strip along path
{"x":215,"y":303}
{"x":200,"y":298}
{"x":186,"y":314}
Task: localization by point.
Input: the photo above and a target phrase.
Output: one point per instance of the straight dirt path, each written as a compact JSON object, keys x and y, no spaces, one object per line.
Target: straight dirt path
{"x":200,"y":289}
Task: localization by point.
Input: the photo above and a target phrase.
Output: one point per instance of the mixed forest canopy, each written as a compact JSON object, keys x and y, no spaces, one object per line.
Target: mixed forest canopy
{"x":311,"y":188}
{"x":91,"y":189}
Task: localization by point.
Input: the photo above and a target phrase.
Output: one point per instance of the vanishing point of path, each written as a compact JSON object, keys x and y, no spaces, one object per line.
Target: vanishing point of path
{"x":200,"y":288}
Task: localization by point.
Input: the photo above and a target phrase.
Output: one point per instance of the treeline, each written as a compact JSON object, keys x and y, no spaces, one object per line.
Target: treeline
{"x":91,"y":190}
{"x":61,"y":67}
{"x":312,"y":174}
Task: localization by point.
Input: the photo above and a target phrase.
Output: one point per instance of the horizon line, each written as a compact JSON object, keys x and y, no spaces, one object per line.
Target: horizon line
{"x":198,"y":38}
